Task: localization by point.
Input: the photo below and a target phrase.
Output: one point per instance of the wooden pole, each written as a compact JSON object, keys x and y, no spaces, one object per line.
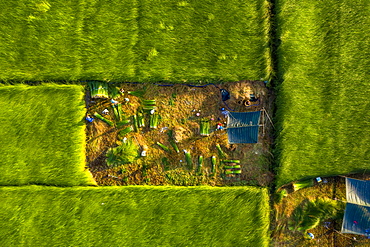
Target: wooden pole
{"x":263,"y":121}
{"x":269,"y":119}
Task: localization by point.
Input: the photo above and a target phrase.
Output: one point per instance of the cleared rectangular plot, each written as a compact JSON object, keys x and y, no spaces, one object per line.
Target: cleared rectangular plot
{"x":42,"y":136}
{"x":134,"y":216}
{"x":323,"y":100}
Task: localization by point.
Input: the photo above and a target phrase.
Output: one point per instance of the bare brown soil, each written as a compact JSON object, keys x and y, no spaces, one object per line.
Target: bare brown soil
{"x":178,"y":106}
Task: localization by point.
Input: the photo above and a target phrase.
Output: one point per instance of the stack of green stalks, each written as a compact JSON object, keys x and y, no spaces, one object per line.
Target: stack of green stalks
{"x":140,"y":120}
{"x":204,"y":127}
{"x":97,"y":115}
{"x":118,"y":113}
{"x":200,"y":164}
{"x":221,"y":153}
{"x":214,"y":164}
{"x":98,"y":89}
{"x":135,"y":122}
{"x":188,"y":159}
{"x":164,"y":147}
{"x":113,"y":91}
{"x":148,"y":105}
{"x":101,"y":89}
{"x":153,"y":121}
{"x":125,"y":131}
{"x":232,"y":168}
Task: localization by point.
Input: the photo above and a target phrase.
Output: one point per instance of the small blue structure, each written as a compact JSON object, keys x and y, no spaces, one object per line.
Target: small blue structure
{"x":357,"y":213}
{"x":242,"y":127}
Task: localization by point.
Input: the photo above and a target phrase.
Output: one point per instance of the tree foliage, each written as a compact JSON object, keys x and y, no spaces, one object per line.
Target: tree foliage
{"x":309,"y":214}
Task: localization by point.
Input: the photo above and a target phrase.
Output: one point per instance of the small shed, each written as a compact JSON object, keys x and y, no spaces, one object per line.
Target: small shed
{"x":357,"y":213}
{"x":242,"y":127}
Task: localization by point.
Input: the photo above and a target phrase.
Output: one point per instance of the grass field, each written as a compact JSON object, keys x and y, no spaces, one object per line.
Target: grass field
{"x":207,"y":40}
{"x":134,"y":216}
{"x":40,"y":40}
{"x":323,"y":100}
{"x":134,"y":40}
{"x":42,"y":136}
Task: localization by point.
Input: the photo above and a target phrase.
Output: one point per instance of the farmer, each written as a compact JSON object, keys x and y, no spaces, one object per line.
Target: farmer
{"x":311,"y":235}
{"x":224,"y":112}
{"x":252,"y":98}
{"x":114,"y":102}
{"x":105,"y":111}
{"x":89,"y":119}
{"x":219,"y":126}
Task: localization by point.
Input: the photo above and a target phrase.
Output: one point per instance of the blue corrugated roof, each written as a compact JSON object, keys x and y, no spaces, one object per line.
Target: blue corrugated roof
{"x":242,"y":127}
{"x":243,"y":134}
{"x":356,"y":219}
{"x":357,"y":214}
{"x":245,"y":118}
{"x":358,"y":191}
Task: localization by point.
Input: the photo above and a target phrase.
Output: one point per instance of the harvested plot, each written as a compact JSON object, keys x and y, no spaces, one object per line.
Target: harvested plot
{"x":134,"y":216}
{"x":171,"y":127}
{"x":323,"y":101}
{"x":42,"y":136}
{"x":135,"y":40}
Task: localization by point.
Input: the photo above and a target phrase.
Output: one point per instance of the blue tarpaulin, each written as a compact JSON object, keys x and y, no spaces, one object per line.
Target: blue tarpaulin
{"x":242,"y":127}
{"x":356,"y":219}
{"x":357,"y":214}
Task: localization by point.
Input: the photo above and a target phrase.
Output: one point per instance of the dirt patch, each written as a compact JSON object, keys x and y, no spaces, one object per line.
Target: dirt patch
{"x":181,"y":108}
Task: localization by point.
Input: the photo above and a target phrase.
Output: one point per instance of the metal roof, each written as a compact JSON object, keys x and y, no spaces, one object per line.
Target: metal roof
{"x":358,"y":191}
{"x":357,"y":214}
{"x":242,"y":127}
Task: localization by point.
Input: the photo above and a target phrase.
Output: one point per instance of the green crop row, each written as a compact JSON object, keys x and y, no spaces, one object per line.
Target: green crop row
{"x":323,"y":100}
{"x":134,"y":216}
{"x":134,"y":40}
{"x":42,"y":135}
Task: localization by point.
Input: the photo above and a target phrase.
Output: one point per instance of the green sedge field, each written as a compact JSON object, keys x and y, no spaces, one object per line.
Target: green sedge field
{"x":42,"y":136}
{"x":134,"y":216}
{"x":323,"y":101}
{"x":134,"y":40}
